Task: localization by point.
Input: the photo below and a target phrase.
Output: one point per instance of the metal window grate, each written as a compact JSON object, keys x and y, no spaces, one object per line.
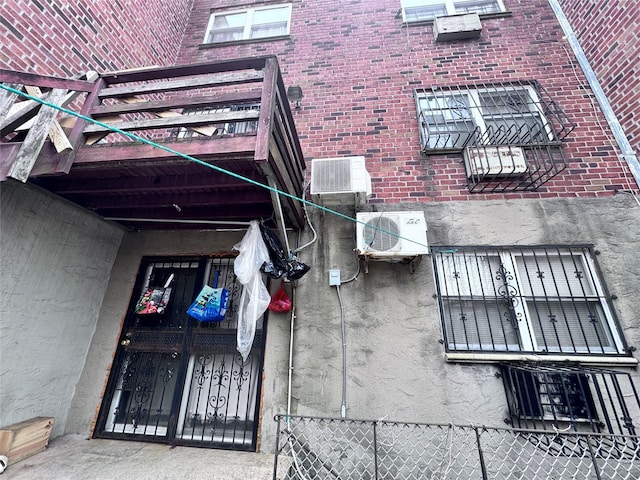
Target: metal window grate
{"x":525,"y":299}
{"x":509,"y":133}
{"x":571,"y":397}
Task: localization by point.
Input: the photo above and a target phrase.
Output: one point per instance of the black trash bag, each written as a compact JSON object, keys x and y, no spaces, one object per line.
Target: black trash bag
{"x":281,"y":264}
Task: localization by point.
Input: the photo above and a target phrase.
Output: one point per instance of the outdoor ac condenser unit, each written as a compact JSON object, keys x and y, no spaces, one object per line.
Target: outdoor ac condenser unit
{"x":494,"y":161}
{"x":391,"y":236}
{"x":340,"y":181}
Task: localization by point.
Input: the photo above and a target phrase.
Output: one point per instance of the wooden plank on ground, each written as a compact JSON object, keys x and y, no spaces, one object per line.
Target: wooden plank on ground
{"x":23,"y":439}
{"x":28,"y":154}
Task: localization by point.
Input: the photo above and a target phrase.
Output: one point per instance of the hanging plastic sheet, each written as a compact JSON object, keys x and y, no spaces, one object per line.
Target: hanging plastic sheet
{"x":280,"y":263}
{"x":255,"y":298}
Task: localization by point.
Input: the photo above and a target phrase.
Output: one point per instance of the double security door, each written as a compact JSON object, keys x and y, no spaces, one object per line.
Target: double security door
{"x":180,"y":381}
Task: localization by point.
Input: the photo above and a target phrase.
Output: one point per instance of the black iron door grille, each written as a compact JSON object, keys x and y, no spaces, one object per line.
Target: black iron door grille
{"x":176,"y":380}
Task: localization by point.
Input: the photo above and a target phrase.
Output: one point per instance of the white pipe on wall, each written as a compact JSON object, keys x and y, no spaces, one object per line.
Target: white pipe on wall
{"x":623,"y":143}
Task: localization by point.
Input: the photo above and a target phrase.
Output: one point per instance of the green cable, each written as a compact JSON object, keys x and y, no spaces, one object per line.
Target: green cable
{"x":198,"y":161}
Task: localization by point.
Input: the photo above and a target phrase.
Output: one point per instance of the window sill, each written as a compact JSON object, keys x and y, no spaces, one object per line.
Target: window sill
{"x":483,"y":16}
{"x":242,"y":42}
{"x":490,"y":357}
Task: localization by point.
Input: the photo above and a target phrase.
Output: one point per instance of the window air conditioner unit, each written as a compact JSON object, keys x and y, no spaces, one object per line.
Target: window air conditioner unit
{"x":391,"y":236}
{"x":340,"y":181}
{"x":494,"y":161}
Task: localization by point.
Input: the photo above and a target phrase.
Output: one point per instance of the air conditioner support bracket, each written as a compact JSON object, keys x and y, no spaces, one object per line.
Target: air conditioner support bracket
{"x":415,"y":261}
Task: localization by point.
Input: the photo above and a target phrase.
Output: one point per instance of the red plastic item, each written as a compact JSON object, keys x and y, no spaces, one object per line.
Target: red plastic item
{"x":280,"y":302}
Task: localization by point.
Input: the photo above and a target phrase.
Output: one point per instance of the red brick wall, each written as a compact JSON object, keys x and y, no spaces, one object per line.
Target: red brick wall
{"x":65,"y":38}
{"x":358,"y":67}
{"x":609,"y":33}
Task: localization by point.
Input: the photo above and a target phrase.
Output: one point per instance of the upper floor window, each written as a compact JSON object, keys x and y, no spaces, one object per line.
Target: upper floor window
{"x":422,"y":10}
{"x":493,"y":115}
{"x":250,"y":23}
{"x":525,"y":299}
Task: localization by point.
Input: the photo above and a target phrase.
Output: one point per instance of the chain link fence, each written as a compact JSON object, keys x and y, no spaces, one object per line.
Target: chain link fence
{"x":312,"y":448}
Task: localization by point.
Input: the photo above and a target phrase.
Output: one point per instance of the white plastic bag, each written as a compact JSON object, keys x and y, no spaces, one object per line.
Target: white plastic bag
{"x":255,"y":297}
{"x":253,"y":253}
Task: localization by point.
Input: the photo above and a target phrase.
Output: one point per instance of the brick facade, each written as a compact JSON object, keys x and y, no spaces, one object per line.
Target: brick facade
{"x":66,"y":38}
{"x":358,"y":66}
{"x":610,"y":37}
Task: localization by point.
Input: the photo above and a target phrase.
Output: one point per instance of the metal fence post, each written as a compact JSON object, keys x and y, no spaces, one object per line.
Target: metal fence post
{"x":593,"y":458}
{"x":375,"y":449}
{"x":481,"y":455}
{"x":275,"y":458}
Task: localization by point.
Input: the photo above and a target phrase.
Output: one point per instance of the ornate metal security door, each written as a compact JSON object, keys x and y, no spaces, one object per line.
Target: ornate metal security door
{"x":178,"y":380}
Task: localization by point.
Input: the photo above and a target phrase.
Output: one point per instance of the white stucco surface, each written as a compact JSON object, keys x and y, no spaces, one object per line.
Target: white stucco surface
{"x":396,"y":366}
{"x":55,"y":262}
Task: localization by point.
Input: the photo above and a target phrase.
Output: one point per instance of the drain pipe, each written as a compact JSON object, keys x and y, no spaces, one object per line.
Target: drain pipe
{"x":623,"y":143}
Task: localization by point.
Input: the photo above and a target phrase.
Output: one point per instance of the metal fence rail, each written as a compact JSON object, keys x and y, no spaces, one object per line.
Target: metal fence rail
{"x":313,"y":448}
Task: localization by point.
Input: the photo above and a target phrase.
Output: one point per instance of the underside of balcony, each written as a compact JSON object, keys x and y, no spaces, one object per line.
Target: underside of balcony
{"x":180,"y":147}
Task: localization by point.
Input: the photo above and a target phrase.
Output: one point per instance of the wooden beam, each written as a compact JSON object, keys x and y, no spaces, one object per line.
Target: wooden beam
{"x":28,"y":154}
{"x":206,"y":148}
{"x":56,"y":134}
{"x":44,"y":81}
{"x":230,"y":78}
{"x":120,"y":185}
{"x":204,"y":68}
{"x":251,"y":96}
{"x":181,"y":121}
{"x":267,"y":108}
{"x":104,"y":202}
{"x":66,"y":161}
{"x":7,"y":99}
{"x":8,"y":153}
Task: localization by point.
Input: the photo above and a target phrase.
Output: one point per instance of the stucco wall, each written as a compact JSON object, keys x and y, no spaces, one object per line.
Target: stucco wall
{"x":55,"y":264}
{"x":395,"y":362}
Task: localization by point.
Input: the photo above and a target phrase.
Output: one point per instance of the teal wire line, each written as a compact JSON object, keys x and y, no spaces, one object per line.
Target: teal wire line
{"x":200,"y":162}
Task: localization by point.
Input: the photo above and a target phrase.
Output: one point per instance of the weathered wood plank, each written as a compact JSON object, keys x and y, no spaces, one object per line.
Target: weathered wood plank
{"x":56,"y":134}
{"x":206,"y":148}
{"x":251,"y":96}
{"x":183,"y":84}
{"x":8,"y":153}
{"x":179,"y":121}
{"x":7,"y":99}
{"x":20,"y":114}
{"x":24,"y":439}
{"x":65,"y":162}
{"x":33,"y":142}
{"x":44,"y":81}
{"x":267,"y":108}
{"x":30,"y":108}
{"x":203,"y":68}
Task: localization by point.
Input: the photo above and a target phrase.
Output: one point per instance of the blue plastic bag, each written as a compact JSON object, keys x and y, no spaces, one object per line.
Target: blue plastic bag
{"x":211,"y":304}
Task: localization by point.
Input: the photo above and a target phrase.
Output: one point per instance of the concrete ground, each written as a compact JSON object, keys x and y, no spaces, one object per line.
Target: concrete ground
{"x":73,"y":457}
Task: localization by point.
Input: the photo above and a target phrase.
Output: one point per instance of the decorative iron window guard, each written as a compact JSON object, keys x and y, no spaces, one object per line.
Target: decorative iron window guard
{"x":543,"y":300}
{"x":509,"y":133}
{"x":571,"y":397}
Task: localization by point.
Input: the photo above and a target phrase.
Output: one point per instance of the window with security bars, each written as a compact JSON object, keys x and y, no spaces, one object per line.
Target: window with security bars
{"x":571,"y":397}
{"x":250,"y":23}
{"x":509,"y":133}
{"x":525,"y":299}
{"x":424,"y":10}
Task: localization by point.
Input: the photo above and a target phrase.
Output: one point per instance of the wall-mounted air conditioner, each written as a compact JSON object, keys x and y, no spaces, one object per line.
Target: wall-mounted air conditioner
{"x":340,"y":181}
{"x":457,"y":27}
{"x":392,"y":236}
{"x":494,"y":161}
